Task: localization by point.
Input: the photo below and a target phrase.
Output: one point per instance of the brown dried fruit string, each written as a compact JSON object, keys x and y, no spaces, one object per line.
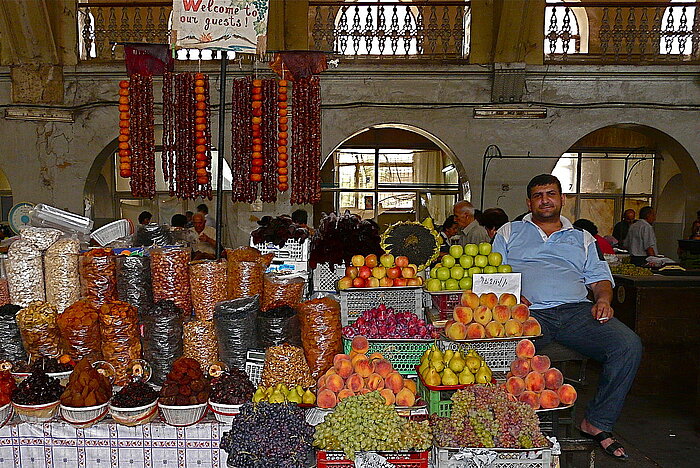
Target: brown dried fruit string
{"x":306,"y":141}
{"x":268,"y":185}
{"x":142,"y":139}
{"x":243,"y":190}
{"x":169,"y":110}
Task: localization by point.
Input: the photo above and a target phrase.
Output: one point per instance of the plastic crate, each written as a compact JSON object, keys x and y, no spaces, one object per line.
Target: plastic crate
{"x":439,"y":402}
{"x":404,"y":355}
{"x":506,"y":458}
{"x":497,"y":354}
{"x":292,"y":250}
{"x":445,"y":301}
{"x":399,"y":459}
{"x":287,"y":267}
{"x":254,"y":365}
{"x":402,"y":299}
{"x":325,"y":280}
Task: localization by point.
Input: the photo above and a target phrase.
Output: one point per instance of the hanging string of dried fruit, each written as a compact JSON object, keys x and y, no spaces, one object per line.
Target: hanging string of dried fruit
{"x":268,"y":127}
{"x":306,"y":141}
{"x":202,"y":135}
{"x":258,"y":161}
{"x":243,"y":188}
{"x":124,"y":146}
{"x":167,"y":157}
{"x":282,"y":154}
{"x":141,"y":136}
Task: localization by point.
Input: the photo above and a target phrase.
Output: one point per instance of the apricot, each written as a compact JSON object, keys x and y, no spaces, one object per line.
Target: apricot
{"x":330,"y":371}
{"x":383,"y":367}
{"x":354,"y":353}
{"x":344,"y":368}
{"x":483,"y":315}
{"x":476,"y":330}
{"x":410,"y":384}
{"x":520,"y":312}
{"x":335,"y":383}
{"x":520,"y":367}
{"x":364,"y":367}
{"x":531,"y":327}
{"x":513,"y":328}
{"x":534,"y":382}
{"x":456,"y":331}
{"x":567,"y":394}
{"x":469,"y":299}
{"x":489,"y":300}
{"x":549,"y":399}
{"x":405,"y":397}
{"x":376,"y":356}
{"x":321,"y":381}
{"x":495,"y":330}
{"x":507,"y":299}
{"x":501,"y":313}
{"x":339,"y":357}
{"x":388,"y":395}
{"x":354,"y":383}
{"x":525,"y":349}
{"x":540,"y":363}
{"x":360,"y":344}
{"x":515,"y":386}
{"x":344,"y":393}
{"x":364,"y":391}
{"x":374,"y":382}
{"x":326,"y":399}
{"x":530,"y":398}
{"x":463,"y":314}
{"x":553,"y":379}
{"x":394,"y":382}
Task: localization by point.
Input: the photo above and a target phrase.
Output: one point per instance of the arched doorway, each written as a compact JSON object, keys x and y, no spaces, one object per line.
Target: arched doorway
{"x":6,"y":201}
{"x":390,"y":173}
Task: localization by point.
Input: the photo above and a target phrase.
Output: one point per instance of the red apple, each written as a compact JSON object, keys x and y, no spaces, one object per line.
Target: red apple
{"x":386,"y":282}
{"x":393,"y":272}
{"x":408,"y":272}
{"x":401,"y":261}
{"x":358,"y":260}
{"x":358,"y":282}
{"x":372,"y":282}
{"x":400,"y":282}
{"x":371,"y":260}
{"x":414,"y":282}
{"x":365,"y":272}
{"x":379,"y":272}
{"x":351,"y":272}
{"x":345,"y":282}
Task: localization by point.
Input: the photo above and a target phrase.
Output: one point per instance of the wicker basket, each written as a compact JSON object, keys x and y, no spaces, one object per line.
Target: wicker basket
{"x":84,"y":417}
{"x":181,"y":416}
{"x":5,"y":414}
{"x":134,"y":416}
{"x":36,"y":413}
{"x":224,"y":413}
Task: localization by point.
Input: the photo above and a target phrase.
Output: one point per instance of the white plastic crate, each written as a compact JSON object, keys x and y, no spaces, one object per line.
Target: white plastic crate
{"x":292,"y":250}
{"x":497,"y":354}
{"x":402,"y":299}
{"x":287,"y":267}
{"x":326,"y":280}
{"x":254,"y":365}
{"x":542,"y":458}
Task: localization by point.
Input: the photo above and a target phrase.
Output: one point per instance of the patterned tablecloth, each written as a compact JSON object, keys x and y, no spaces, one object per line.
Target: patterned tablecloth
{"x":110,"y":445}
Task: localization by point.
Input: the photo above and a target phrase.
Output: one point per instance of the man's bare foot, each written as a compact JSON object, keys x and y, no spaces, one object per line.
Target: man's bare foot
{"x":590,"y":429}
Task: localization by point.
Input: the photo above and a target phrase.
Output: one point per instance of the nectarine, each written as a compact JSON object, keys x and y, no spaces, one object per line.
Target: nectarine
{"x":553,"y":379}
{"x":483,"y":315}
{"x":567,"y":394}
{"x":456,"y":331}
{"x":520,"y":312}
{"x":515,"y":386}
{"x":540,"y":363}
{"x":549,"y":399}
{"x":475,"y":331}
{"x":525,"y":349}
{"x":530,"y":398}
{"x":463,"y":314}
{"x":489,"y":300}
{"x":534,"y":382}
{"x":531,"y":327}
{"x":507,"y":299}
{"x":495,"y":330}
{"x":520,"y":367}
{"x":360,"y":344}
{"x":326,"y":399}
{"x":469,"y":299}
{"x":501,"y":313}
{"x":513,"y":328}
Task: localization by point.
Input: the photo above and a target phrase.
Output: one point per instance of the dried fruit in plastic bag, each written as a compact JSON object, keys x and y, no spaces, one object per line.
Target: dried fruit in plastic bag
{"x":98,"y":278}
{"x":162,"y":338}
{"x":281,"y":289}
{"x":277,"y":326}
{"x":171,"y":278}
{"x":208,"y":286}
{"x":321,"y":333}
{"x":25,"y":273}
{"x":40,"y":334}
{"x":134,"y":281}
{"x":120,"y":337}
{"x":41,"y":238}
{"x":200,"y":342}
{"x":80,"y":330}
{"x":285,"y":364}
{"x":61,"y":273}
{"x":235,"y":329}
{"x":10,"y":337}
{"x":246,"y":267}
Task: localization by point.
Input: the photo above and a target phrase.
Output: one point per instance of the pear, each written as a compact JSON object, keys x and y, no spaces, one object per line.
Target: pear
{"x":449,"y":377}
{"x":483,"y":375}
{"x":436,"y":355}
{"x":259,"y":395}
{"x":283,"y":389}
{"x":276,"y":397}
{"x":300,"y":390}
{"x":457,"y":363}
{"x":425,"y":357}
{"x":447,"y":357}
{"x":309,"y":398}
{"x":473,"y":363}
{"x":294,"y":397}
{"x":269,"y":390}
{"x":466,"y":377}
{"x":423,"y":367}
{"x":437,"y":365}
{"x":432,"y":378}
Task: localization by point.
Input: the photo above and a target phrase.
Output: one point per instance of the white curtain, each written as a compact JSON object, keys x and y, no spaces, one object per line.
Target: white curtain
{"x":427,"y":169}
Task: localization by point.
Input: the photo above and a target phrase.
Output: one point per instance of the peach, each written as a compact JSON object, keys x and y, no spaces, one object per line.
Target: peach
{"x":364,"y":391}
{"x":364,"y":368}
{"x":501,"y":313}
{"x":540,"y":363}
{"x":476,"y":330}
{"x":339,"y":357}
{"x":531,"y":327}
{"x":530,"y":398}
{"x":410,"y":384}
{"x":358,"y":357}
{"x":376,"y":356}
{"x":405,"y":397}
{"x":489,"y":300}
{"x":495,"y":330}
{"x":360,"y":344}
{"x":469,"y":299}
{"x":388,"y":395}
{"x":520,"y":367}
{"x":520,"y":312}
{"x":513,"y":328}
{"x":567,"y":394}
{"x":354,"y":383}
{"x":394,"y":381}
{"x":344,"y":368}
{"x":374,"y":382}
{"x":353,"y":353}
{"x":507,"y":299}
{"x":549,"y":399}
{"x":344,"y":393}
{"x":483,"y":315}
{"x":509,"y":374}
{"x":326,"y":399}
{"x":553,"y":379}
{"x":534,"y":382}
{"x":383,"y":367}
{"x":515,"y":386}
{"x":335,"y":383}
{"x":330,"y":371}
{"x":525,"y":349}
{"x":463,"y":314}
{"x":321,"y":381}
{"x":456,"y":331}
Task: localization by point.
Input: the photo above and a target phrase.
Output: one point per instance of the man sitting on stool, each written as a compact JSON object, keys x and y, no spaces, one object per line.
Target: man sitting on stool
{"x":559,"y":264}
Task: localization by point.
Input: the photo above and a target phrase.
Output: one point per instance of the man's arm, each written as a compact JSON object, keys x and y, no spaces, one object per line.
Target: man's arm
{"x":649,"y":237}
{"x":602,"y":294}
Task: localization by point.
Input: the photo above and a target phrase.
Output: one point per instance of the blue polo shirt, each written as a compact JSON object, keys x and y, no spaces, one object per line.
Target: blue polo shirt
{"x":555,"y":269}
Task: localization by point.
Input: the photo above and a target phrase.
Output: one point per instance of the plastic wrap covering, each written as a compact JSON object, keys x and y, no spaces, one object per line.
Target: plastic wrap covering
{"x":25,"y":274}
{"x":152,"y":234}
{"x":120,"y":337}
{"x":208,"y":286}
{"x":321,"y":333}
{"x":235,"y":329}
{"x":278,"y":325}
{"x":134,"y":281}
{"x":170,"y":277}
{"x":40,"y":334}
{"x":80,"y":331}
{"x":162,"y":338}
{"x":285,"y":364}
{"x":61,"y":273}
{"x":10,"y":337}
{"x":48,"y":216}
{"x":281,"y":289}
{"x":41,"y":238}
{"x":200,"y":342}
{"x":246,"y":268}
{"x":98,"y":278}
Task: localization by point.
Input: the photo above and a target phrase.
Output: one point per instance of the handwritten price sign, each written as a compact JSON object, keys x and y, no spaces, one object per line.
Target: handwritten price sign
{"x":497,"y":283}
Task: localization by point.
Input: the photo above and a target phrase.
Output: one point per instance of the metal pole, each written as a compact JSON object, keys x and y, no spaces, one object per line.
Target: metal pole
{"x":220,"y":153}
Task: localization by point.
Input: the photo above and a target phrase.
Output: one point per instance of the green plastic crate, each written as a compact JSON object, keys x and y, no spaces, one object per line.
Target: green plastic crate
{"x":404,"y":355}
{"x":439,"y":401}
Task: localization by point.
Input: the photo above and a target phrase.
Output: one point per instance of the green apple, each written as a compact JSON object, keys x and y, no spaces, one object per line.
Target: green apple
{"x":495,"y":259}
{"x":448,"y":261}
{"x":457,"y":272}
{"x":452,"y":284}
{"x":471,"y":249}
{"x":387,"y":260}
{"x":456,"y":250}
{"x":505,"y":269}
{"x":490,"y":269}
{"x":473,"y":271}
{"x":484,"y":248}
{"x":442,"y":285}
{"x":466,"y":261}
{"x":465,"y":283}
{"x":433,"y":284}
{"x":433,"y":271}
{"x":481,"y":261}
{"x":443,"y":274}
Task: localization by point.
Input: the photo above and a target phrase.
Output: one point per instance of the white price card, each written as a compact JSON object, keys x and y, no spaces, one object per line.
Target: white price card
{"x":497,"y":283}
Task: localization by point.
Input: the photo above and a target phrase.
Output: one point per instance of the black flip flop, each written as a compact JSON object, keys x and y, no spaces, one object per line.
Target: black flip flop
{"x":610,"y":449}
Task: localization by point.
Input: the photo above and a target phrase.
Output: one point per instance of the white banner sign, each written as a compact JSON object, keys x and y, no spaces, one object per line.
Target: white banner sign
{"x":497,"y":283}
{"x":237,"y":25}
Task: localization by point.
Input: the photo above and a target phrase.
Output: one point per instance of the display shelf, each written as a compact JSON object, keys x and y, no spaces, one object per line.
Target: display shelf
{"x":398,"y":459}
{"x":402,"y":299}
{"x":404,"y":355}
{"x":505,"y":458}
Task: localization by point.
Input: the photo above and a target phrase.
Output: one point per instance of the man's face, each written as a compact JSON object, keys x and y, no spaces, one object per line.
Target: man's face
{"x":629,"y":216}
{"x":198,"y":222}
{"x":545,"y":202}
{"x":451,"y":231}
{"x":651,"y":217}
{"x":462,"y":217}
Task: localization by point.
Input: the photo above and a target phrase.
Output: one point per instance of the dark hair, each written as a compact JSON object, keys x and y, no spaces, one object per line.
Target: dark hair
{"x":644,"y":212}
{"x":449,"y":222}
{"x":586,"y":224}
{"x":188,"y":213}
{"x":203,"y":208}
{"x":300,"y":216}
{"x":542,"y":179}
{"x":493,"y":218}
{"x":178,"y":220}
{"x":144,"y":216}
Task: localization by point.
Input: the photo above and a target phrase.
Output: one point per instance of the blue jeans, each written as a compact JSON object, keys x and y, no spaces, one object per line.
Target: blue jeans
{"x":612,"y":344}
